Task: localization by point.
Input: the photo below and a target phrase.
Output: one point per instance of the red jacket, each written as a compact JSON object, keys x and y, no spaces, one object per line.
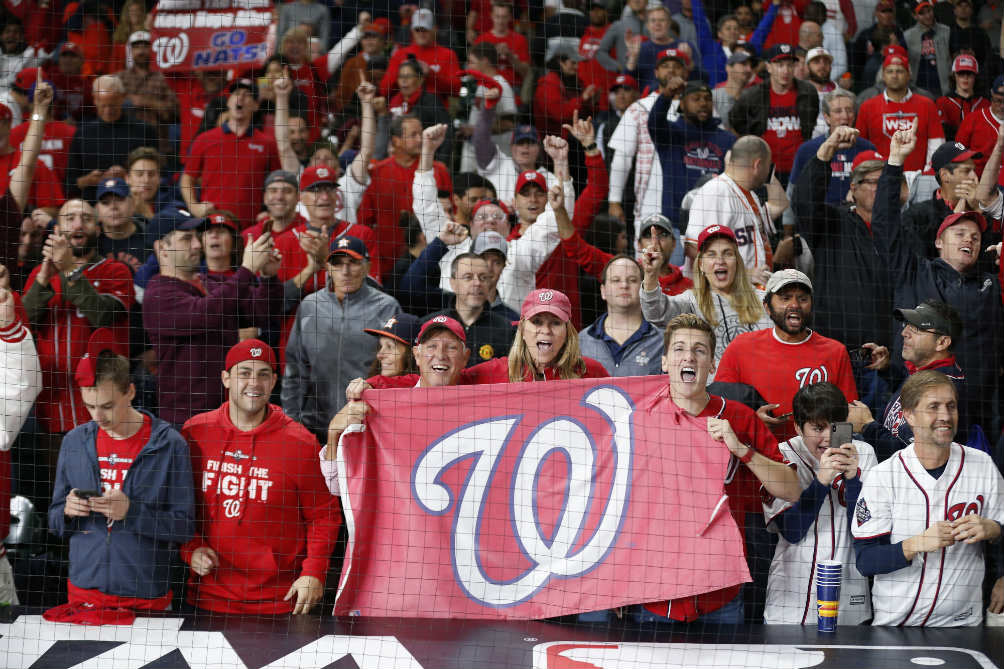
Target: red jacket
{"x":559,"y":271}
{"x":979,"y":132}
{"x":263,"y":507}
{"x":553,"y":104}
{"x":443,"y":77}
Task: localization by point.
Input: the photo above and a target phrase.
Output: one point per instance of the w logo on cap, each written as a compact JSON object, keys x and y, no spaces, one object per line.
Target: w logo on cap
{"x":546,"y":296}
{"x":391,"y":322}
{"x":713,"y":229}
{"x":960,"y":146}
{"x":439,"y":319}
{"x":255,"y":352}
{"x":530,"y":176}
{"x":322,"y":172}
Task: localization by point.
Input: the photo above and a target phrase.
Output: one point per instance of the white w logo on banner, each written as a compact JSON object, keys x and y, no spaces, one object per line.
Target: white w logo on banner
{"x":485,"y":441}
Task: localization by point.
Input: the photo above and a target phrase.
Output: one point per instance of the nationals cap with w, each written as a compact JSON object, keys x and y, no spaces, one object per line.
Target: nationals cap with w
{"x":250,"y":349}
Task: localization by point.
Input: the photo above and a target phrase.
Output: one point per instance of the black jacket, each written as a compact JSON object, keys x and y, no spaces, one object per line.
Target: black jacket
{"x":852,"y":287}
{"x":975,"y":295}
{"x":749,"y":113}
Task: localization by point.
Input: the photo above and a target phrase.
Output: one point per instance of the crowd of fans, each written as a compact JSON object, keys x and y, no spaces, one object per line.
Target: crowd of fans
{"x":795,"y":202}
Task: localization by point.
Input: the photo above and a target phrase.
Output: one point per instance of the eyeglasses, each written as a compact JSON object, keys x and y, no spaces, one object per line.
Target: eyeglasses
{"x":489,"y":216}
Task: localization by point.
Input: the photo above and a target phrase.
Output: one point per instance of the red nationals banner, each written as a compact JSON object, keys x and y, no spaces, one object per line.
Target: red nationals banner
{"x":210,"y":34}
{"x":532,"y":500}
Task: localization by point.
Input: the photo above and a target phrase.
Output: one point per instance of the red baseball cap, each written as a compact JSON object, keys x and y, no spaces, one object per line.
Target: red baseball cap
{"x":530,"y":177}
{"x":25,"y":79}
{"x":498,"y":203}
{"x":974,"y":216}
{"x":675,"y":54}
{"x":864,"y":157}
{"x":71,"y":47}
{"x":318,"y":174}
{"x":896,"y":59}
{"x":965,"y":63}
{"x":218,"y":219}
{"x":379,"y":26}
{"x":546,"y":300}
{"x":441,"y":323}
{"x":920,"y":5}
{"x":624,"y":81}
{"x":250,"y":349}
{"x":102,"y":339}
{"x":713,"y":231}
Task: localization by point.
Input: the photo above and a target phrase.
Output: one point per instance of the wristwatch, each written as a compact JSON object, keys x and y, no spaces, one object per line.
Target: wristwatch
{"x":76,"y":274}
{"x":37,"y":117}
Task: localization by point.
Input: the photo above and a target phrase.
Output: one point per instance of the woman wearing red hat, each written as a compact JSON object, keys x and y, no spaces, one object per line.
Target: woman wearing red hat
{"x":722,"y":294}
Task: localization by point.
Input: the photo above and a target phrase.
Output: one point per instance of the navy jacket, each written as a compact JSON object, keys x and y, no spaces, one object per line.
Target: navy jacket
{"x":686,"y":151}
{"x":132,"y":557}
{"x":976,"y":296}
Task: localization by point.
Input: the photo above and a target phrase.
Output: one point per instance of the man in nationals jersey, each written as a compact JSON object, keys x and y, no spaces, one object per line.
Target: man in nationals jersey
{"x":923,"y":515}
{"x":817,"y":527}
{"x":896,"y":109}
{"x":979,"y":130}
{"x":123,"y":494}
{"x":756,"y":464}
{"x":779,"y":361}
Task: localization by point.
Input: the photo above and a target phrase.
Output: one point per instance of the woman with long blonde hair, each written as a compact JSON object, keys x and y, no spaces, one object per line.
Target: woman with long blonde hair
{"x":722,"y":294}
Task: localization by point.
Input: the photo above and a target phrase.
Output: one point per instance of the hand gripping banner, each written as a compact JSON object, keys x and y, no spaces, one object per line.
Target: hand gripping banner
{"x":532,"y":500}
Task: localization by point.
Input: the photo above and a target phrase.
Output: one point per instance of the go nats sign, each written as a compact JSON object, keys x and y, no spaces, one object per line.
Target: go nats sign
{"x":210,"y":34}
{"x":532,"y":500}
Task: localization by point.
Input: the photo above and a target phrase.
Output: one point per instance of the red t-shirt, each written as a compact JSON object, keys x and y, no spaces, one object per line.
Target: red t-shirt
{"x":56,"y":140}
{"x":879,"y":118}
{"x":388,"y":194}
{"x":45,"y":189}
{"x":115,"y":456}
{"x":517,"y":44}
{"x":233,"y":169}
{"x":784,"y":129}
{"x":778,"y":370}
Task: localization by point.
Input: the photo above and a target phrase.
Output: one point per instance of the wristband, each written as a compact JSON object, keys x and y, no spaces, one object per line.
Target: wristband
{"x":748,"y":456}
{"x":589,"y":147}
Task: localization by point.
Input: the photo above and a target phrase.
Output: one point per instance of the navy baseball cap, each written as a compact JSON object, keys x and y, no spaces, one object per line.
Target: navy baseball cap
{"x":245,"y":82}
{"x":998,"y":87}
{"x":952,"y":152}
{"x":402,"y":327}
{"x":525,"y":132}
{"x":350,"y":246}
{"x":779,"y":52}
{"x":116,"y":186}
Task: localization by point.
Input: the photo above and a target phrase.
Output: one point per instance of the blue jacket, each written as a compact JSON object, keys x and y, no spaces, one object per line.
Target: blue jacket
{"x":132,"y":557}
{"x":976,"y":296}
{"x":686,"y":151}
{"x":713,"y":58}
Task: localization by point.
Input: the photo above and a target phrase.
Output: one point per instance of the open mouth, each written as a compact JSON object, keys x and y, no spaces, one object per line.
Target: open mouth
{"x":545,"y":347}
{"x":966,"y":251}
{"x":793,"y":318}
{"x":688,"y":375}
{"x":721,"y":275}
{"x":440,"y":368}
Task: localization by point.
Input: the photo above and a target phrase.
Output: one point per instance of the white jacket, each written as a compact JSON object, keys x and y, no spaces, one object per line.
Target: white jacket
{"x":22,"y":380}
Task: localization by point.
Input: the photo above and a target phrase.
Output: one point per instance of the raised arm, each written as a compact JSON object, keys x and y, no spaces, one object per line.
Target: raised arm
{"x":360,"y":167}
{"x":283,"y":88}
{"x":24,"y":173}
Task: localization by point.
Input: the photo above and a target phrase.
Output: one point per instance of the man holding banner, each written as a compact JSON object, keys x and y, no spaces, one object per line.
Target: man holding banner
{"x":688,"y":358}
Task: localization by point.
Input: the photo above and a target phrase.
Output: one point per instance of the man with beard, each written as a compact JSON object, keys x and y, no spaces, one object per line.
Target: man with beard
{"x":147,"y":91}
{"x":779,"y":361}
{"x":691,"y":146}
{"x":819,"y":64}
{"x":896,"y":109}
{"x":68,"y":296}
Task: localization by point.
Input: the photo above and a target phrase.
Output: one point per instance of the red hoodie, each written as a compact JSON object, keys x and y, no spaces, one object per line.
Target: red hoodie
{"x":264,"y":508}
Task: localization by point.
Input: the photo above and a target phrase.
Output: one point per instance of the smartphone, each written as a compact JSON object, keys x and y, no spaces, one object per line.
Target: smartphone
{"x":860,"y":354}
{"x":840,"y":434}
{"x":266,"y":226}
{"x":87,"y":494}
{"x":314,"y":228}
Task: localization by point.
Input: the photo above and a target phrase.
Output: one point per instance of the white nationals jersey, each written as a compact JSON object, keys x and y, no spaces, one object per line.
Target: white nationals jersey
{"x":791,"y":585}
{"x":631,"y":141}
{"x":900,"y":499}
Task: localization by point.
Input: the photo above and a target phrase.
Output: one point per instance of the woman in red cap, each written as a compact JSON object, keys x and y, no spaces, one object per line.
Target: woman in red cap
{"x":546,"y":348}
{"x":722,"y":294}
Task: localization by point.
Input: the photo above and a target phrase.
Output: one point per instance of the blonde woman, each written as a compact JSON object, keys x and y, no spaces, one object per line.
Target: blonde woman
{"x":722,"y":294}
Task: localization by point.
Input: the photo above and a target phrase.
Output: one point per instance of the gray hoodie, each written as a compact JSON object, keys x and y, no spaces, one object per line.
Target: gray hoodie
{"x":613,"y":38}
{"x":327,"y":348}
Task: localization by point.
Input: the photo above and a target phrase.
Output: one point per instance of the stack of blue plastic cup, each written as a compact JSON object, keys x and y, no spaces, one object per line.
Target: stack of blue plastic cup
{"x":828,"y":573}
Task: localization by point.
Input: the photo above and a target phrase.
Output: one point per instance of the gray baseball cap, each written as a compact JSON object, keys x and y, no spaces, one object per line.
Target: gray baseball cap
{"x":787,"y":277}
{"x":277,"y":176}
{"x":658,"y":220}
{"x":489,"y":240}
